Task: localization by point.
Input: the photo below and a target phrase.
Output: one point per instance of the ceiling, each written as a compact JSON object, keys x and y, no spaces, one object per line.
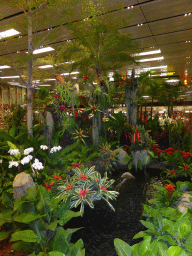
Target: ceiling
{"x":154,"y":24}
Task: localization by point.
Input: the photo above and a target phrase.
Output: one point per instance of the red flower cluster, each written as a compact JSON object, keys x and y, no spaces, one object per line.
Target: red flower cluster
{"x":49,"y":187}
{"x":77,"y":165}
{"x":172,"y":172}
{"x":83,"y":177}
{"x":112,"y":155}
{"x":62,"y":107}
{"x":105,"y":149}
{"x":170,"y":151}
{"x":185,"y":155}
{"x":94,"y":108}
{"x":159,"y":152}
{"x":169,"y":187}
{"x":103,"y":188}
{"x":185,"y":167}
{"x":154,"y":147}
{"x":57,"y":96}
{"x":85,"y":119}
{"x":79,"y":134}
{"x":126,"y":147}
{"x":68,"y":187}
{"x":86,"y":77}
{"x":57,"y":177}
{"x":83,"y":192}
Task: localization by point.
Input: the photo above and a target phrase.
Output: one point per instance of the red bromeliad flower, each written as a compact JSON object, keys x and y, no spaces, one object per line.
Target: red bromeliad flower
{"x":94,"y":108}
{"x":185,"y":167}
{"x":49,"y":187}
{"x":154,"y":147}
{"x":126,"y":147}
{"x":112,"y":155}
{"x":68,"y":187}
{"x":130,"y":82}
{"x":83,"y":192}
{"x":86,"y":77}
{"x":83,"y":177}
{"x":170,"y":153}
{"x":97,"y":180}
{"x":62,"y":107}
{"x":57,"y":177}
{"x":172,"y":172}
{"x":85,"y":119}
{"x":77,"y":165}
{"x":79,"y":134}
{"x":105,"y":161}
{"x":159,"y":152}
{"x":105,"y":149}
{"x":169,"y":187}
{"x":103,"y":188}
{"x":121,"y":84}
{"x":57,"y":96}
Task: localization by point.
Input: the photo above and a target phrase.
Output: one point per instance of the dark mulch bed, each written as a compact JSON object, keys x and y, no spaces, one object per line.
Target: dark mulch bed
{"x":102,"y":225}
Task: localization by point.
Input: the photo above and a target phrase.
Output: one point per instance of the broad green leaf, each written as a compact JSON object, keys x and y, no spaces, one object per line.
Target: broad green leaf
{"x":54,"y":253}
{"x":76,"y":248}
{"x":32,"y":254}
{"x":23,"y":246}
{"x":145,"y":245}
{"x":148,"y":225}
{"x":67,"y":216}
{"x":4,"y":234}
{"x":26,"y":236}
{"x":183,"y":231}
{"x":6,"y":216}
{"x":30,"y":194}
{"x":140,"y":234}
{"x":59,"y":242}
{"x":52,"y":226}
{"x":11,"y":145}
{"x":167,"y":238}
{"x":70,"y":231}
{"x":28,"y":217}
{"x":174,"y":251}
{"x":122,"y":248}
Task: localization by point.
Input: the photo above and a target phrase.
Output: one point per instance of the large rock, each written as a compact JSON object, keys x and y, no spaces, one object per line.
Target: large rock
{"x":124,"y":177}
{"x":21,"y":183}
{"x":121,"y":155}
{"x":184,"y":202}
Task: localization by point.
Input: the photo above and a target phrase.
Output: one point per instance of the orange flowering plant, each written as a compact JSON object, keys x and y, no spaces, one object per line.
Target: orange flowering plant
{"x":86,"y":186}
{"x":166,"y":195}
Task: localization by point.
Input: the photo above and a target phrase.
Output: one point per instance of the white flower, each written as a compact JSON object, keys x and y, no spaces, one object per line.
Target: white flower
{"x":13,"y":163}
{"x":37,"y":165}
{"x":44,"y":147}
{"x":27,"y":151}
{"x":55,"y":149}
{"x":26,"y":159}
{"x":13,"y":152}
{"x":1,"y":161}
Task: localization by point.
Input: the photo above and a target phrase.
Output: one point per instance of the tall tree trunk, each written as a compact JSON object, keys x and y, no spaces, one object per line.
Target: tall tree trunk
{"x":171,"y":102}
{"x":29,"y":77}
{"x":151,"y":107}
{"x":131,"y":100}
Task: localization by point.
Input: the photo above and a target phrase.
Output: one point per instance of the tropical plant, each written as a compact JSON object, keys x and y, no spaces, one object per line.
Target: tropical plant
{"x":85,"y":187}
{"x":35,"y":223}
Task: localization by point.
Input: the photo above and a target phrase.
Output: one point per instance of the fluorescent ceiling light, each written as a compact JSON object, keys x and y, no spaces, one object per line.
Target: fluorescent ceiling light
{"x":41,"y":50}
{"x":151,"y":59}
{"x":172,"y":80}
{"x":4,"y":77}
{"x":74,"y":77}
{"x":8,"y":33}
{"x":72,"y":73}
{"x":44,"y":85}
{"x":13,"y":83}
{"x":159,"y":67}
{"x":146,"y":96}
{"x":51,"y":79}
{"x":147,"y":53}
{"x":4,"y":66}
{"x":46,"y":66}
{"x":94,"y":83}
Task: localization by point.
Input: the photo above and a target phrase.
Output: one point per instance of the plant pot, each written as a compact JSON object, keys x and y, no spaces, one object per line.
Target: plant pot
{"x":139,"y":156}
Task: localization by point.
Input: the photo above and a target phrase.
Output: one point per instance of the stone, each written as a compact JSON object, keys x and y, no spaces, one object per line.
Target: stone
{"x":124,"y":177}
{"x":121,"y":155}
{"x":21,"y":183}
{"x":127,"y":175}
{"x":184,"y":202}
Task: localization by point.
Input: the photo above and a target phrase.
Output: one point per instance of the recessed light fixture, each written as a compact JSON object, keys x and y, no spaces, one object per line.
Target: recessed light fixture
{"x":147,"y":53}
{"x":74,"y":77}
{"x":46,"y":66}
{"x":187,"y":41}
{"x":13,"y":83}
{"x":8,"y":33}
{"x":172,"y":81}
{"x":51,"y":79}
{"x":5,"y":77}
{"x":41,"y":50}
{"x":44,"y":85}
{"x":146,"y":96}
{"x":4,"y":66}
{"x":159,"y":67}
{"x":72,"y":73}
{"x":151,"y":59}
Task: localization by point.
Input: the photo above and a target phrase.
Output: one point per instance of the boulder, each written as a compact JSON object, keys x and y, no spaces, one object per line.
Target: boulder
{"x":184,"y":202}
{"x":21,"y":183}
{"x":121,"y":155}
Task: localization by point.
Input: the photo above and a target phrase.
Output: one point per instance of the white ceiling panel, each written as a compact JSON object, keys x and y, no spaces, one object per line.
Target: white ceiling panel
{"x":137,"y":32}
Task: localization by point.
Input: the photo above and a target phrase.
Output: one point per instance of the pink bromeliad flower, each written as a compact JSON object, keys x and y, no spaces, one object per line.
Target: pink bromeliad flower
{"x":83,"y":192}
{"x":62,"y":107}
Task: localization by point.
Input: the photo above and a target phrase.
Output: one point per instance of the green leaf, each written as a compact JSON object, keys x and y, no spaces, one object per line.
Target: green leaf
{"x":6,"y":216}
{"x":11,"y":145}
{"x":4,"y":234}
{"x":148,"y":225}
{"x":174,"y":251}
{"x":183,"y":230}
{"x":122,"y":248}
{"x":52,"y":226}
{"x":130,"y":165}
{"x":139,"y":235}
{"x":145,"y":245}
{"x":28,"y":217}
{"x":70,"y":231}
{"x":167,"y":238}
{"x":67,"y":216}
{"x":159,"y":188}
{"x":76,"y":248}
{"x":32,"y":254}
{"x":26,"y":236}
{"x":23,"y":246}
{"x":54,"y":253}
{"x":59,"y":242}
{"x":30,"y":194}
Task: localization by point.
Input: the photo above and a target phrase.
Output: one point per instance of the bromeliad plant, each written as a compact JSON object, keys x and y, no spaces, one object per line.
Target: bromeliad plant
{"x":85,"y":187}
